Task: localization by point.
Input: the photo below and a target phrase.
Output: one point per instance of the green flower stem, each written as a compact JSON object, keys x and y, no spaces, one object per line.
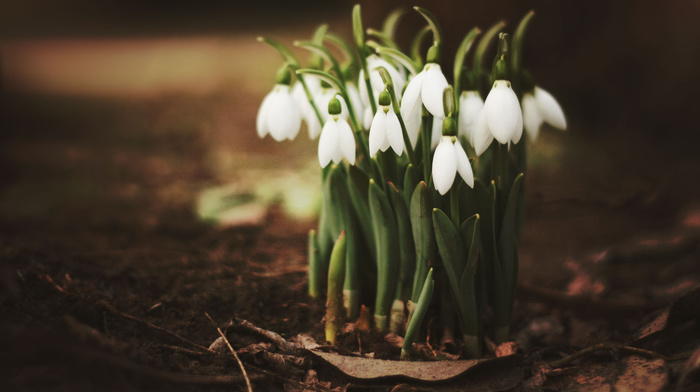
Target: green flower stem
{"x":418,"y":314}
{"x":462,"y":52}
{"x":325,"y":54}
{"x":481,"y":49}
{"x":359,"y":35}
{"x":345,"y":48}
{"x":391,"y":21}
{"x":386,"y":77}
{"x":433,"y":23}
{"x":334,"y":302}
{"x":385,"y":39}
{"x":516,"y":57}
{"x":426,"y":135}
{"x":454,"y":203}
{"x":415,"y":47}
{"x":401,"y":58}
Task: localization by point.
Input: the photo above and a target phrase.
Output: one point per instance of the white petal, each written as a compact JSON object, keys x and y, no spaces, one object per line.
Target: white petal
{"x":377,"y":132}
{"x":261,"y":120}
{"x":470,"y":104}
{"x":313,"y":124}
{"x":463,"y":167}
{"x":376,"y":79}
{"x":284,"y":118}
{"x":411,"y":107}
{"x":531,"y":116}
{"x":432,"y":88}
{"x":549,"y":109}
{"x":393,"y":132}
{"x":482,"y":137}
{"x":518,"y":129}
{"x":503,"y":112}
{"x":362,"y":86}
{"x":367,"y":117}
{"x":346,"y":141}
{"x":355,"y":98}
{"x":328,"y":143}
{"x":436,"y":133}
{"x":444,"y":165}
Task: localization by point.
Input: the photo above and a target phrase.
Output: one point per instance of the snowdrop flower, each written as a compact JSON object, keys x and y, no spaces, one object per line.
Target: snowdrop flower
{"x":308,"y":113}
{"x":538,"y":107}
{"x":324,"y":98}
{"x":500,"y":118}
{"x":279,"y":114}
{"x":424,"y":89}
{"x":470,"y":104}
{"x":375,"y":79}
{"x":385,"y":129}
{"x":450,"y":159}
{"x":337,"y":140}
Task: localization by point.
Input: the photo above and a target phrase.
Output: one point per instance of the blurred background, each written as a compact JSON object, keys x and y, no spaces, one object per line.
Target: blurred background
{"x":115,"y":106}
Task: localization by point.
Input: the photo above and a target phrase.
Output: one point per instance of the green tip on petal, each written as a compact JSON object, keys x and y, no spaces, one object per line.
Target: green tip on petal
{"x":385,"y":98}
{"x":433,"y":55}
{"x":334,"y":107}
{"x":283,"y":75}
{"x":449,"y":127}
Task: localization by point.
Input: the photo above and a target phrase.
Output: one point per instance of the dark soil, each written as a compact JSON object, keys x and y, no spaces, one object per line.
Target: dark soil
{"x":107,"y":275}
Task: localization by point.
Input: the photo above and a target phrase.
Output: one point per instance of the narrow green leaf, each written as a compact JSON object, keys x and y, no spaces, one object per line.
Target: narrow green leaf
{"x":358,"y":188}
{"x":516,"y":54}
{"x":357,"y":30}
{"x":418,"y":314}
{"x":407,"y":250}
{"x":410,"y":180}
{"x":423,"y":235}
{"x":314,"y":272}
{"x":400,"y":58}
{"x":336,"y":277}
{"x":470,"y":233}
{"x":386,"y":239}
{"x":385,"y":39}
{"x":508,"y":240}
{"x":454,"y":259}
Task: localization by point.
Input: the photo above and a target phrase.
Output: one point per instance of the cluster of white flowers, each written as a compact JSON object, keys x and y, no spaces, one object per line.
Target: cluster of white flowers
{"x":500,"y":116}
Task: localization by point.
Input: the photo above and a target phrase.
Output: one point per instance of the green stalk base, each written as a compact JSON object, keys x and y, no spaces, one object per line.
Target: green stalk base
{"x":331,"y":332}
{"x":351,"y":303}
{"x":397,"y":323}
{"x":472,"y":346}
{"x":381,"y":322}
{"x":501,"y":334}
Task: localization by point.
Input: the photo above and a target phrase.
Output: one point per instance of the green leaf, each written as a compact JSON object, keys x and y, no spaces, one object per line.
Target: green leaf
{"x":423,"y":234}
{"x":386,"y":239}
{"x":358,"y":188}
{"x":516,"y":54}
{"x":385,"y":39}
{"x":407,"y":250}
{"x":454,"y":258}
{"x":426,"y":294}
{"x":400,"y":58}
{"x":410,"y":180}
{"x":336,"y":277}
{"x":508,"y":240}
{"x":315,"y":271}
{"x":470,"y":233}
{"x":358,"y":31}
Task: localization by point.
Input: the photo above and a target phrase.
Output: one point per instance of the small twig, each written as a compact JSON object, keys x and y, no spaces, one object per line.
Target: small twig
{"x":607,"y":346}
{"x":190,"y":343}
{"x":240,"y":364}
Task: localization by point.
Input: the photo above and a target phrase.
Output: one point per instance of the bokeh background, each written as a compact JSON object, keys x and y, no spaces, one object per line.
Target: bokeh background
{"x":119,"y":114}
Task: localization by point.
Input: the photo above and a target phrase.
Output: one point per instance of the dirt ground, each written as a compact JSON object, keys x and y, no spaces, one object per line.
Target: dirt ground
{"x":109,"y":279}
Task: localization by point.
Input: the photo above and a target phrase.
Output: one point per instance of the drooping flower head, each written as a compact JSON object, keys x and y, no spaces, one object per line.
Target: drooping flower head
{"x":313,"y":84}
{"x":425,"y":89}
{"x":539,"y":107}
{"x":375,"y":79}
{"x":450,"y":159}
{"x":385,"y":130}
{"x":279,"y":114}
{"x":337,"y":140}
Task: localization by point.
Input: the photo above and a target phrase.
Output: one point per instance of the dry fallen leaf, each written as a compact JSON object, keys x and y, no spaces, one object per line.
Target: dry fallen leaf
{"x":630,"y":374}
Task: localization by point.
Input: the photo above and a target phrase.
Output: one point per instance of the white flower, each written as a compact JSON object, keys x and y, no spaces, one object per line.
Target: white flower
{"x":385,"y":131}
{"x":307,"y":111}
{"x":500,"y":118}
{"x":426,"y":88}
{"x":355,"y":98}
{"x":450,"y":159}
{"x":375,"y":79}
{"x":279,"y":114}
{"x":324,"y":97}
{"x":470,"y":104}
{"x":436,"y":133}
{"x":337,"y":141}
{"x":541,"y":107}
